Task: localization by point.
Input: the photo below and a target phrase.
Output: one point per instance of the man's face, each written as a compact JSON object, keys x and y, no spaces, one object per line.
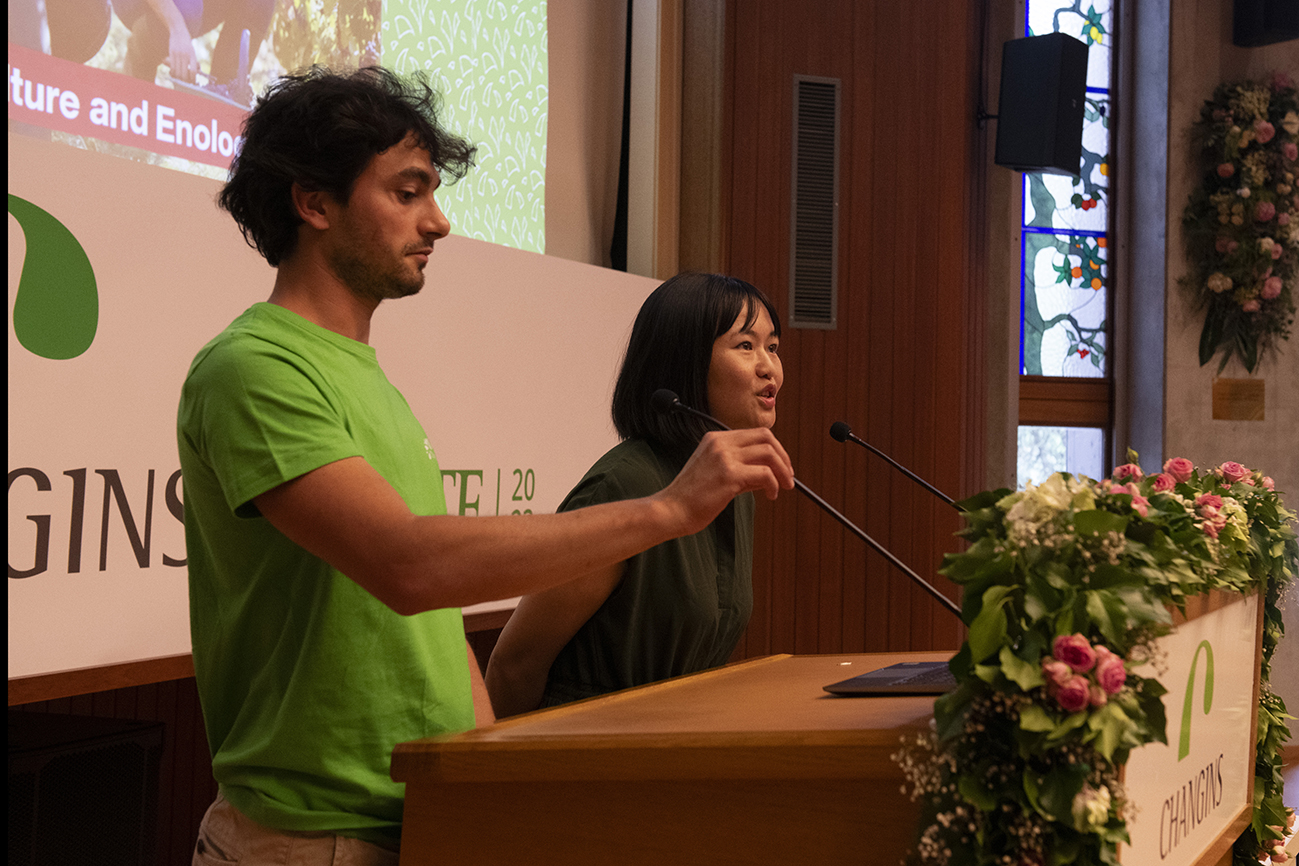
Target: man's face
{"x":383,"y":237}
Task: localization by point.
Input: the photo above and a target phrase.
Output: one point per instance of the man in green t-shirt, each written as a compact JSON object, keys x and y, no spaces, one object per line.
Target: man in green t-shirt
{"x":325,"y":576}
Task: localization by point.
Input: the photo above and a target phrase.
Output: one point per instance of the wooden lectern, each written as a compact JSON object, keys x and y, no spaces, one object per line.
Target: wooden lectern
{"x":756,"y":764}
{"x":748,"y":764}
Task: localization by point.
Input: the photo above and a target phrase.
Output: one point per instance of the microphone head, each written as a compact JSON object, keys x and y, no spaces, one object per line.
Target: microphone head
{"x":840,"y":431}
{"x":664,"y":400}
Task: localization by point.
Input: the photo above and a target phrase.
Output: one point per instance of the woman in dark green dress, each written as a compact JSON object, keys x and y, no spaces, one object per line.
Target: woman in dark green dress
{"x":681,"y":606}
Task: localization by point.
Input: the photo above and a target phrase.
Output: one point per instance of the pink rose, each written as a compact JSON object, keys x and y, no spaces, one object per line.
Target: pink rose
{"x":1277,"y":251}
{"x":1208,"y":502}
{"x":1232,"y":247}
{"x":1096,"y":696}
{"x":1075,"y":651}
{"x":1264,"y":131}
{"x":1251,"y":306}
{"x":1140,"y":504}
{"x":1055,"y":672}
{"x":1180,"y":468}
{"x":1283,"y":219}
{"x":1074,"y":694}
{"x":1164,"y":482}
{"x":1264,"y":211}
{"x":1271,"y":288}
{"x":1210,"y":528}
{"x":1290,"y":150}
{"x":1111,"y":674}
{"x":1220,"y":244}
{"x":1128,"y":470}
{"x":1226,"y":169}
{"x":1231,"y":472}
{"x":1268,"y":483}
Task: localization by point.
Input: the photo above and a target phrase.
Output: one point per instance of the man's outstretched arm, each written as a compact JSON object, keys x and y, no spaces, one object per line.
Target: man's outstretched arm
{"x":348,"y":515}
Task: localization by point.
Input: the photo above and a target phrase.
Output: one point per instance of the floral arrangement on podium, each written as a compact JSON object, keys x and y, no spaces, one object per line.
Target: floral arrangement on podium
{"x":1242,"y":222}
{"x":1066,"y":586}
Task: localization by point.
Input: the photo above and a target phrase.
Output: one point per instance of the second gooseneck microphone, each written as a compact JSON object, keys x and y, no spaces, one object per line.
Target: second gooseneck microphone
{"x":665,"y":401}
{"x":841,"y":432}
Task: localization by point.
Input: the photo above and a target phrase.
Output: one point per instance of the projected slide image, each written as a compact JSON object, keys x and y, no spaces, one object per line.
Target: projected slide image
{"x":168,"y":82}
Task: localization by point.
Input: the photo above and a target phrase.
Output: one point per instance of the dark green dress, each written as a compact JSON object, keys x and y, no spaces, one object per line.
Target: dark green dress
{"x":681,"y":606}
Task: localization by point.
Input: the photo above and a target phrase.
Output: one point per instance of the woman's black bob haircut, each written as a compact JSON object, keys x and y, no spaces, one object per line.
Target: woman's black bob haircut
{"x":671,"y":346}
{"x":320,"y":129}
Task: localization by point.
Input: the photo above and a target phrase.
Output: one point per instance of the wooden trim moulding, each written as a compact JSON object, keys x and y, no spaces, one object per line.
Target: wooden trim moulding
{"x":102,"y":678}
{"x":1058,"y":401}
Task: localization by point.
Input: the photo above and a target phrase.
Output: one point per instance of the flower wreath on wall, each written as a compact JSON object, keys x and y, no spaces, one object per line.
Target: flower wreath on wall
{"x":1066,"y":586}
{"x":1242,"y":222}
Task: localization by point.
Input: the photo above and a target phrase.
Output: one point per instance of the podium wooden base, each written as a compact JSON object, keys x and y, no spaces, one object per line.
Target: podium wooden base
{"x":749,"y":764}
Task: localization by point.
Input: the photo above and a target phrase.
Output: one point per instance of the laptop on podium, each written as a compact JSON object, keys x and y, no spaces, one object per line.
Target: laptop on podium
{"x":903,"y":678}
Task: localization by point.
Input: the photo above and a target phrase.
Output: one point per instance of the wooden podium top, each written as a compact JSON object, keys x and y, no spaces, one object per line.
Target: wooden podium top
{"x":765,"y":718}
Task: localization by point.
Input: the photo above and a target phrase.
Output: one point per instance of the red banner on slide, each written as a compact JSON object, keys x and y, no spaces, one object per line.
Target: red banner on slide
{"x":54,"y":93}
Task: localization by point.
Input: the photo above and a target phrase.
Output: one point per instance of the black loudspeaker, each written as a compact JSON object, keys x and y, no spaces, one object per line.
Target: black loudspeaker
{"x":1264,"y":22}
{"x":1040,"y":112}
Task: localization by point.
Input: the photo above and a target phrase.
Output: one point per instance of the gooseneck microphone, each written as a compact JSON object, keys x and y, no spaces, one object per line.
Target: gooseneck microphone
{"x":665,"y":401}
{"x":841,"y":432}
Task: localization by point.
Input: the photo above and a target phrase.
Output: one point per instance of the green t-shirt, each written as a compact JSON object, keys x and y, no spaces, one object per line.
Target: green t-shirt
{"x":307,"y":681}
{"x":680,"y":607}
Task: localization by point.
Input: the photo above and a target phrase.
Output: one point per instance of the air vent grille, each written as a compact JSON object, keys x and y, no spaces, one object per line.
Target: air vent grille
{"x":813,"y":266}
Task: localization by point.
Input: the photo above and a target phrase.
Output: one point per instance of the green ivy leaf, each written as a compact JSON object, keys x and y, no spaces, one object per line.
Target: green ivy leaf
{"x":1099,"y":612}
{"x":1021,"y":673}
{"x":1034,"y":718}
{"x":975,"y":792}
{"x":1071,"y":723}
{"x":1056,"y":790}
{"x":1098,"y":522}
{"x":988,"y":631}
{"x":1110,"y":724}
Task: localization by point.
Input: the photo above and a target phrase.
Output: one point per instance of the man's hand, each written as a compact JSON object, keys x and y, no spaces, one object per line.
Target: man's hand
{"x":725,"y":465}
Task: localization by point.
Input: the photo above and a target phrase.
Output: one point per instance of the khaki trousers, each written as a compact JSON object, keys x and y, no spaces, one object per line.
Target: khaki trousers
{"x":226,"y":836}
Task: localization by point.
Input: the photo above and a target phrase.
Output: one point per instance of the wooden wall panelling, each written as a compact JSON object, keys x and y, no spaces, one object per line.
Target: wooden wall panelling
{"x":855,"y":262}
{"x":896,"y":369}
{"x":959,"y":396}
{"x":741,"y":182}
{"x":186,"y":786}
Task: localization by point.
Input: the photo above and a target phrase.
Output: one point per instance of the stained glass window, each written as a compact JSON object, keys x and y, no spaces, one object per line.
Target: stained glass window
{"x":1064,"y":272}
{"x":1064,"y":256}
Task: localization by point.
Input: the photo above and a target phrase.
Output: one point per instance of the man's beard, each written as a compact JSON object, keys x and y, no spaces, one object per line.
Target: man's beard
{"x":368,"y":280}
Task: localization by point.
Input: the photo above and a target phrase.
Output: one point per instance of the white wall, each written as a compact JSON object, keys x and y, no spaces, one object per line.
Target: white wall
{"x":1201,"y":57}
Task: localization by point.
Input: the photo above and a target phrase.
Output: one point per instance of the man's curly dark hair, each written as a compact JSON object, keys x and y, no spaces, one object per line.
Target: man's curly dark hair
{"x":320,"y":129}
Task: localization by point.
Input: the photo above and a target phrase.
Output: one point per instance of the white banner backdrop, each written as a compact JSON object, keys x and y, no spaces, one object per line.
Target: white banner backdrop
{"x":1189,"y":790}
{"x":507,"y":358}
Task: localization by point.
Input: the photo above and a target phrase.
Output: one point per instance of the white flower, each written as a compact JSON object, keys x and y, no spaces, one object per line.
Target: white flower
{"x":1035,"y":507}
{"x":1091,"y":808}
{"x":1290,"y":123}
{"x":1243,"y":192}
{"x":1219,"y":283}
{"x":1236,"y":516}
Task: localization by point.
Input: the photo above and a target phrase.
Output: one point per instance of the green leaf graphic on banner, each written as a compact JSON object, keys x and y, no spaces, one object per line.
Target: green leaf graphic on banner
{"x":56,"y":312}
{"x":1184,"y":743}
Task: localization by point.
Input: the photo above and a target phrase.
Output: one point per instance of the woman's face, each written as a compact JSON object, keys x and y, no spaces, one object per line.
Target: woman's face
{"x":745,"y":373}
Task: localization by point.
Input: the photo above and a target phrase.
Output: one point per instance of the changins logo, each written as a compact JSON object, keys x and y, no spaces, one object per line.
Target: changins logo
{"x":56,"y":311}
